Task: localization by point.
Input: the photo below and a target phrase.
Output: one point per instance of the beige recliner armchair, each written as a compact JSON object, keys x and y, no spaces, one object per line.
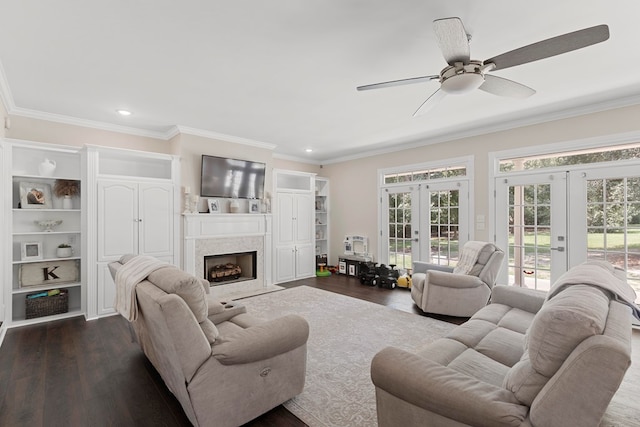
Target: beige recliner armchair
{"x":461,"y":290}
{"x":224,"y":366}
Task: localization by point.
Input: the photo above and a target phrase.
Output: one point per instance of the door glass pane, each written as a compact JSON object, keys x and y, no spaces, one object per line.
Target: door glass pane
{"x":400,"y":229}
{"x":613,"y":224}
{"x":444,"y":226}
{"x":530,"y":236}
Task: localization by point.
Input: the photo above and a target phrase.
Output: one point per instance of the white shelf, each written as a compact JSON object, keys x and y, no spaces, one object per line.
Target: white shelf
{"x":44,"y":178}
{"x":45,"y":260}
{"x":45,"y":233}
{"x":30,"y":289}
{"x":25,"y":322}
{"x":44,"y":210}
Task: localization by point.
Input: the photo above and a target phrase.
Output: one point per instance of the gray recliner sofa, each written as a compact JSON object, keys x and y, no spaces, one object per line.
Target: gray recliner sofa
{"x":526,"y":359}
{"x":224,"y":366}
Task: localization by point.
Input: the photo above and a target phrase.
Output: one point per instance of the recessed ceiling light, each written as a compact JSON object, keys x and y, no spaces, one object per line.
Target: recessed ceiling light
{"x":309,"y":150}
{"x":124,"y":112}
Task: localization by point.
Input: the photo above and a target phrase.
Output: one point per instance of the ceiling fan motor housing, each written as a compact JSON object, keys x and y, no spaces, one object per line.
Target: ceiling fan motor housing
{"x":459,"y":78}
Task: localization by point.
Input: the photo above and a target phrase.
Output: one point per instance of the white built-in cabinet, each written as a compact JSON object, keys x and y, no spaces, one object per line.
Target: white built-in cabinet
{"x":294,"y":217}
{"x":32,"y":263}
{"x":136,"y":212}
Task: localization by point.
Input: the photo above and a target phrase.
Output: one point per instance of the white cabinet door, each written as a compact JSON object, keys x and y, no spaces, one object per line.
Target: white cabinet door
{"x":155,"y":219}
{"x":305,"y":261}
{"x":117,"y":219}
{"x":285,"y":263}
{"x":304,"y":218}
{"x":285,"y":208}
{"x":294,"y":251}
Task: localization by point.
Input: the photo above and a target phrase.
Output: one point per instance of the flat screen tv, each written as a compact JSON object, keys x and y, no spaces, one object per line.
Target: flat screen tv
{"x":231,"y":178}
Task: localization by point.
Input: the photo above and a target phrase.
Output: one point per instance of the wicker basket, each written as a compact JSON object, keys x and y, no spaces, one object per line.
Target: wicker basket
{"x":47,"y":306}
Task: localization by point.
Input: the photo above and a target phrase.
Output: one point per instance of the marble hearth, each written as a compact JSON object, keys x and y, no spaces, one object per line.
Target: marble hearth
{"x":219,"y":234}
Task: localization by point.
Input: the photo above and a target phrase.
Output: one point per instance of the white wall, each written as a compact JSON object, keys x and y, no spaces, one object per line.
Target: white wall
{"x":354,"y":201}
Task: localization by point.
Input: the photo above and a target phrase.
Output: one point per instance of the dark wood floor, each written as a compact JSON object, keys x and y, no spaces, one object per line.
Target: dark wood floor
{"x":77,"y":373}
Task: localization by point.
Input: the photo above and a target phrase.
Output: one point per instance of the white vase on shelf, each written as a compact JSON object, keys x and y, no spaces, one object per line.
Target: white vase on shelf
{"x":47,"y":167}
{"x":67,"y":203}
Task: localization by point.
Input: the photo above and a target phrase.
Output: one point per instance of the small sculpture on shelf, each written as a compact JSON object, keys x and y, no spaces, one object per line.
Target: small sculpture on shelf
{"x":49,"y":224}
{"x":66,"y":188}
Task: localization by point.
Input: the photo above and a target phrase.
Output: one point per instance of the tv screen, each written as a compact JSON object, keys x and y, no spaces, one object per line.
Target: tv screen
{"x":231,"y":178}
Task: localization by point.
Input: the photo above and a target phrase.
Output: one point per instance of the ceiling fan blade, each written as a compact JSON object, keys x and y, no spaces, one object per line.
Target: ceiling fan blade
{"x":431,"y":102}
{"x":551,"y":47}
{"x":398,"y":82}
{"x":452,"y":40}
{"x":505,"y":87}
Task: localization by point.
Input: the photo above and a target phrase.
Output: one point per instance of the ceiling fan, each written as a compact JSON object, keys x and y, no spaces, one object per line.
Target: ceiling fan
{"x":464,"y":75}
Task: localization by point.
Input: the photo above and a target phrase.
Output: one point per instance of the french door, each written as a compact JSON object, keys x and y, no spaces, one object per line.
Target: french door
{"x":426,"y":222}
{"x":550,"y":222}
{"x":531,"y":226}
{"x":605,"y":218}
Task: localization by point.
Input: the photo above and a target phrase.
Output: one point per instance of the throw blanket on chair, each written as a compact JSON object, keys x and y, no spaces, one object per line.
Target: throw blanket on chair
{"x":603,"y":275}
{"x":469,"y":256}
{"x":127,"y":278}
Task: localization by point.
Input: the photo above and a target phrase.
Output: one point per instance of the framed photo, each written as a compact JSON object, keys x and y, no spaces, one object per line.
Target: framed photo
{"x":31,"y":251}
{"x":214,"y":205}
{"x":35,"y":195}
{"x":254,"y":206}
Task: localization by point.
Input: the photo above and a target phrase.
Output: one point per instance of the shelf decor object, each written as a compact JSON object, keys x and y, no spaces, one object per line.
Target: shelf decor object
{"x":47,"y":167}
{"x":46,"y":303}
{"x":35,"y":195}
{"x":49,"y":273}
{"x":66,"y":189}
{"x":48,"y":225}
{"x":31,"y":251}
{"x":64,"y":251}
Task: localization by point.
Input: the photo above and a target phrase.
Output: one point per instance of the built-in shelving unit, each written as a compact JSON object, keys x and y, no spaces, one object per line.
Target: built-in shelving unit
{"x":322,"y":219}
{"x":30,"y":173}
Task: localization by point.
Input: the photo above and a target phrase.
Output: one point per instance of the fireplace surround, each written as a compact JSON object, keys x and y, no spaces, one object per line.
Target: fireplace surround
{"x":219,"y":235}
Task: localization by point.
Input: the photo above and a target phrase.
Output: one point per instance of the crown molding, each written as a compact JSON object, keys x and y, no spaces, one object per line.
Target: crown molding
{"x":292,"y":158}
{"x":224,"y":137}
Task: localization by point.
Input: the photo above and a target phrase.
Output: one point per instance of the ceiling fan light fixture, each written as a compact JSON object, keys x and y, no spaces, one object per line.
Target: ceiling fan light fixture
{"x":462,"y":83}
{"x":461,"y":79}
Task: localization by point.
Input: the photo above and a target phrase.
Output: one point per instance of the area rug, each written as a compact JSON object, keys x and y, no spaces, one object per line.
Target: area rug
{"x":345,"y":334}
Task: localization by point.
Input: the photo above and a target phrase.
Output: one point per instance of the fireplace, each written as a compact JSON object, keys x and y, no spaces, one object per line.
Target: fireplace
{"x":229,"y":235}
{"x":223,"y":269}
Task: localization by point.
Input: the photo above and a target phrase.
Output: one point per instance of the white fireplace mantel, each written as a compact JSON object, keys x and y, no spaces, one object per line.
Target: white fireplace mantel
{"x":223,"y":233}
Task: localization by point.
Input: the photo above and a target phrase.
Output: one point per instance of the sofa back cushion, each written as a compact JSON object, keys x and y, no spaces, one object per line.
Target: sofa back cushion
{"x":175,"y":281}
{"x":563,"y":322}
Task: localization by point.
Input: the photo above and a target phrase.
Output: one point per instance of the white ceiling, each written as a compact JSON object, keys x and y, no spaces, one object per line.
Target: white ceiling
{"x":284,"y":72}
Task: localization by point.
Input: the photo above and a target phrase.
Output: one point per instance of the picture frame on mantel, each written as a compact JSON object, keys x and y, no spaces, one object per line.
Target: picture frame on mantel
{"x":254,"y":206}
{"x":214,"y":205}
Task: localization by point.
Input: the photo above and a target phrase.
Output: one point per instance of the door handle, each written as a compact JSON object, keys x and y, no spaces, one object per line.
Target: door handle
{"x":559,"y":249}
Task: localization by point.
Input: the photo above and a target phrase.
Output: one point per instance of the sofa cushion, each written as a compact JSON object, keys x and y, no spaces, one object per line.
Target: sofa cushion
{"x":563,"y":322}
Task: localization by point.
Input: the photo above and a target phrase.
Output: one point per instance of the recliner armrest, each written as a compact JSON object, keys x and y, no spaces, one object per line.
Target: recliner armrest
{"x":423,"y":267}
{"x":262,"y":341}
{"x":444,"y":391}
{"x":452,"y":280}
{"x":525,"y":299}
